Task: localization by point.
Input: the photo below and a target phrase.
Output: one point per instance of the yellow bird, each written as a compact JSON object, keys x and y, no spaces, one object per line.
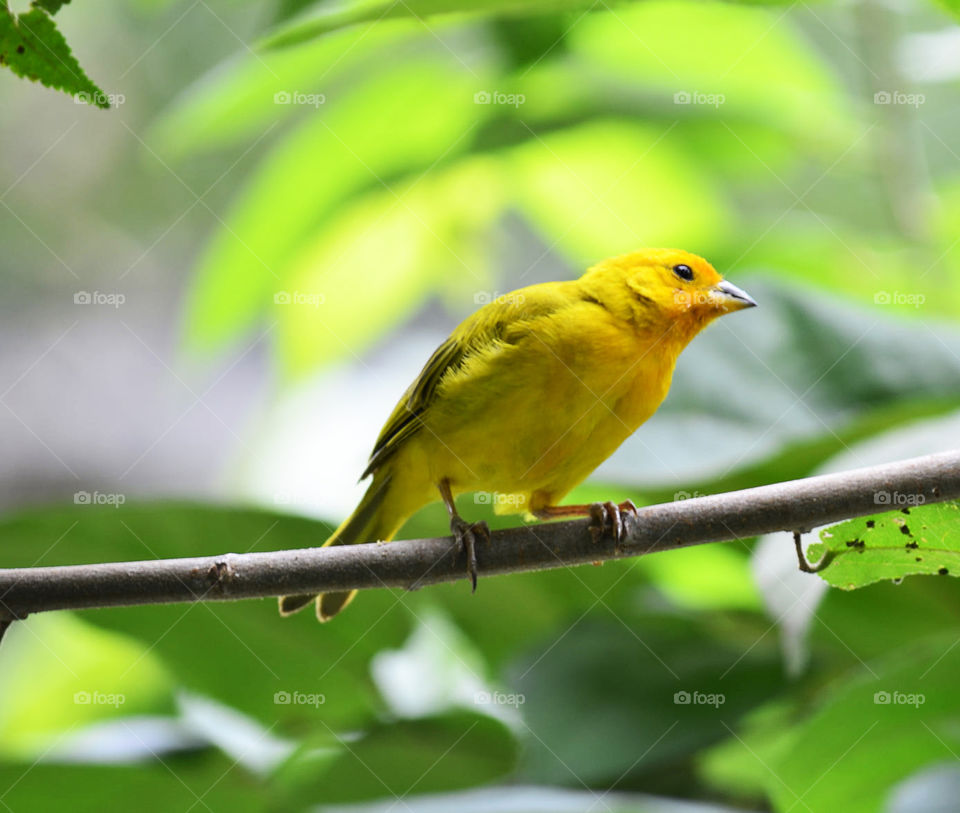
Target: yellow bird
{"x":530,"y":394}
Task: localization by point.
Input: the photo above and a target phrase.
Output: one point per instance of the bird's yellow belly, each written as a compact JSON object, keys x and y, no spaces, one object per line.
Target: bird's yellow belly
{"x":528,"y":443}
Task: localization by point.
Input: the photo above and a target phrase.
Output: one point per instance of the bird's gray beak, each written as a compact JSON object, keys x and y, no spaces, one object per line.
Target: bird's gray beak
{"x":732,"y":297}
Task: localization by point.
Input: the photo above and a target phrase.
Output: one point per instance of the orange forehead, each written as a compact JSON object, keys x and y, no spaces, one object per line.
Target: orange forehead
{"x":668,"y":258}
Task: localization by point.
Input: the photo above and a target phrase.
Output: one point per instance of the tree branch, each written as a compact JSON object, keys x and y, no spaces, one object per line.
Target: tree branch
{"x":797,"y":505}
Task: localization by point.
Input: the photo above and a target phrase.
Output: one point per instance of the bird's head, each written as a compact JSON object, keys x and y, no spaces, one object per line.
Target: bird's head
{"x":663,"y":288}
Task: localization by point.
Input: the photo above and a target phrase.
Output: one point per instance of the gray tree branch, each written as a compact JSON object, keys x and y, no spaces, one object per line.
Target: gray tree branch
{"x":797,"y":505}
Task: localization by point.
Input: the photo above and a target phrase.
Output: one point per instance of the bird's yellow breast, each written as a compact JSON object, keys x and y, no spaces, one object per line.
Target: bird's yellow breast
{"x":528,"y":421}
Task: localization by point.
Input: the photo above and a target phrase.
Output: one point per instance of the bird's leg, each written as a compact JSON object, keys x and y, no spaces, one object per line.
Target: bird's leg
{"x":466,"y":533}
{"x":603,"y":515}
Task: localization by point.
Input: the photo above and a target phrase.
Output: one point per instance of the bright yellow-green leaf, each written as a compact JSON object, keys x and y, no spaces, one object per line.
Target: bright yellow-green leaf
{"x":61,"y":673}
{"x":612,"y":187}
{"x":389,"y":126}
{"x":704,"y":577}
{"x":916,"y":539}
{"x":726,"y":57}
{"x":382,"y":256}
{"x":242,"y":100}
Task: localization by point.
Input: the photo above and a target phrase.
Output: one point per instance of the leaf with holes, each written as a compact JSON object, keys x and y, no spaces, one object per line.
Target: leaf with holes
{"x":32,"y":47}
{"x":915,"y":539}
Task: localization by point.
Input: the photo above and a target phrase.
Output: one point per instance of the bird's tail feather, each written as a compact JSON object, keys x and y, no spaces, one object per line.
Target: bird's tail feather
{"x":369,"y":522}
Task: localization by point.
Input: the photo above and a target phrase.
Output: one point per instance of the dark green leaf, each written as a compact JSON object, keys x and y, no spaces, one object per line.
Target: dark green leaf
{"x":207,"y":781}
{"x":241,"y":653}
{"x":32,"y":47}
{"x":50,"y":6}
{"x":642,"y":692}
{"x":393,"y":760}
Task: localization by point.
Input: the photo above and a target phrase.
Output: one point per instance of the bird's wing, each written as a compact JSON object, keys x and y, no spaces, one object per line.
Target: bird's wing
{"x":504,"y":320}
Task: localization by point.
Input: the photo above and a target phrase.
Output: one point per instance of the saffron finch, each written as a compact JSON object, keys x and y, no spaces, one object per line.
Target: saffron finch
{"x":530,"y":394}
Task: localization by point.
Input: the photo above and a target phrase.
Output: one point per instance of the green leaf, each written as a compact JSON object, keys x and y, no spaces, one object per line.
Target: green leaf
{"x":643,"y":692}
{"x":872,"y":730}
{"x":334,"y":155}
{"x":436,"y":232}
{"x":66,"y":673}
{"x":922,"y":539}
{"x":952,"y":6}
{"x":605,"y":188}
{"x":413,"y":10}
{"x":50,"y":6}
{"x":724,"y":58}
{"x":242,"y":99}
{"x":204,"y":781}
{"x":240,"y":653}
{"x":32,"y":47}
{"x":427,"y":755}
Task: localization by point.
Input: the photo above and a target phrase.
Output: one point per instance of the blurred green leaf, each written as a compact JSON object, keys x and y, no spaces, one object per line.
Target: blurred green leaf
{"x":396,"y":759}
{"x":241,"y":653}
{"x":734,"y":766}
{"x":409,"y":240}
{"x":953,"y":6}
{"x":642,"y":692}
{"x":372,"y":11}
{"x":605,"y":188}
{"x":922,"y":539}
{"x":66,"y":673}
{"x":244,"y":98}
{"x":718,"y":56}
{"x":205,"y":780}
{"x":871,"y":731}
{"x":32,"y":47}
{"x":311,"y":172}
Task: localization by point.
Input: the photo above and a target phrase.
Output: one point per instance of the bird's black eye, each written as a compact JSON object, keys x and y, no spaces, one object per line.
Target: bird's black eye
{"x":684,"y":272}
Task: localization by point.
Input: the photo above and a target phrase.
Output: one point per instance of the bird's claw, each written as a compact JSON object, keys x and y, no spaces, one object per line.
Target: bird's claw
{"x":467,"y":535}
{"x":608,"y":517}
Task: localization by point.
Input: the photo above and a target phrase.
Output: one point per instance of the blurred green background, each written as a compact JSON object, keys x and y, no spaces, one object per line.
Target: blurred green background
{"x":214,"y":293}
